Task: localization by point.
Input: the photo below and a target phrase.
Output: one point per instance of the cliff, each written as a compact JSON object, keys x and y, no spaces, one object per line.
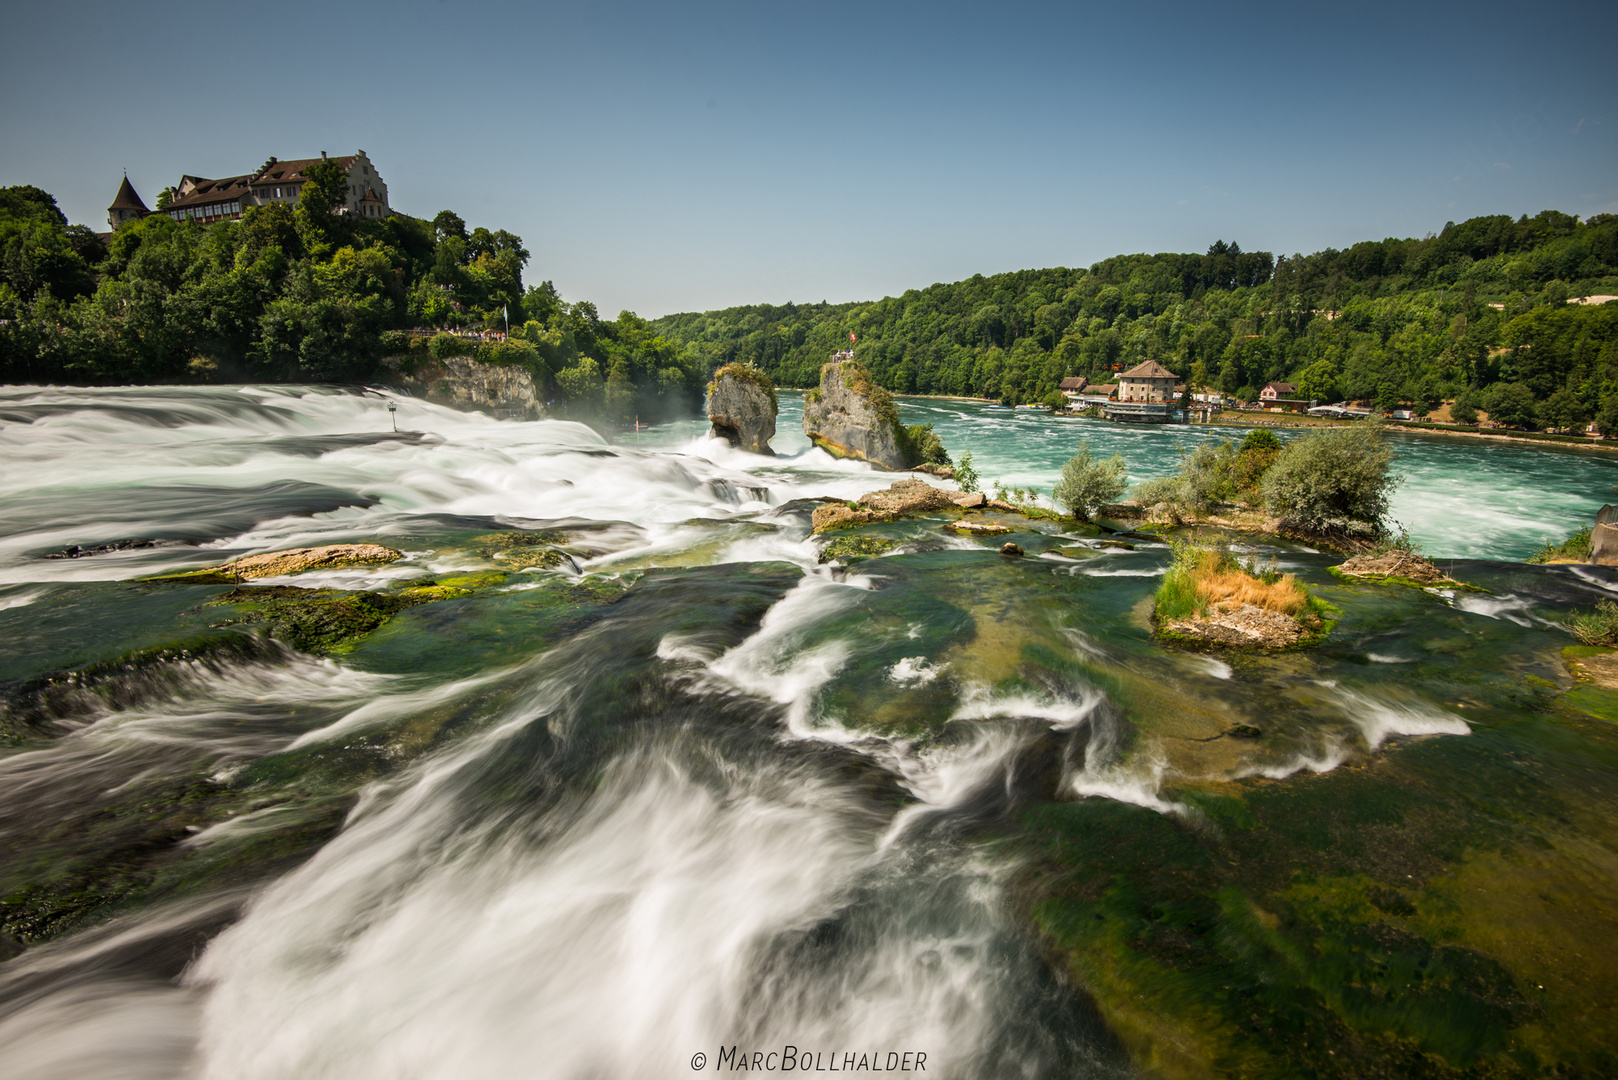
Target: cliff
{"x":504,"y":391}
{"x":742,"y":407}
{"x":850,"y":416}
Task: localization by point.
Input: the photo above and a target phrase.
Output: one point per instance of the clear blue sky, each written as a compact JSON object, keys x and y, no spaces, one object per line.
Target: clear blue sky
{"x":669,"y":157}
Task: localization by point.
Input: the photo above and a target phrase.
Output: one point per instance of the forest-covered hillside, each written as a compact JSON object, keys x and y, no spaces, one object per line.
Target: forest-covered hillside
{"x":1477,"y":312}
{"x":305,"y":294}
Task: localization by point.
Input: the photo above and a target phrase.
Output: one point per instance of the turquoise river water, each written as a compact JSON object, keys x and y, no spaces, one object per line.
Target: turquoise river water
{"x":618,"y":771}
{"x":1461,"y":498}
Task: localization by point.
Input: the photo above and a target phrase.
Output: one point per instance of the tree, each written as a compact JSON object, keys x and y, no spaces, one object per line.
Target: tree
{"x":1562,"y":411}
{"x":1512,"y":404}
{"x":1465,"y":408}
{"x":448,"y":225}
{"x":1335,"y":483}
{"x":1318,"y":382}
{"x":325,"y":189}
{"x":1087,"y":483}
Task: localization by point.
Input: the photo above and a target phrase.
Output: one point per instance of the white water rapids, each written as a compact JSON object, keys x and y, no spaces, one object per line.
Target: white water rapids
{"x":649,"y":838}
{"x":579,"y":887}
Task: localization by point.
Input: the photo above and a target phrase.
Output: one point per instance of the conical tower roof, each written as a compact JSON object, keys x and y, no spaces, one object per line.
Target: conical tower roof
{"x":126,"y":199}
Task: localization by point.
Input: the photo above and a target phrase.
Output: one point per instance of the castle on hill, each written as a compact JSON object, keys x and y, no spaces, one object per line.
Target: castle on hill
{"x":197,"y":198}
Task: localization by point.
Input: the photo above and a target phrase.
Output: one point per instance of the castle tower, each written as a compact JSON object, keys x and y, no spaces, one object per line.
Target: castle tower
{"x":126,"y":206}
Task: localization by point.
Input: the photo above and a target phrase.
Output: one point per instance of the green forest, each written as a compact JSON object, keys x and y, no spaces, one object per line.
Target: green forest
{"x":306,"y":294}
{"x":1477,"y":314}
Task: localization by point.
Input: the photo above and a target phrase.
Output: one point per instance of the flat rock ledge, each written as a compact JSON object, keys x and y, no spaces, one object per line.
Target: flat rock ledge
{"x":277,"y":563}
{"x":1245,"y":625}
{"x":977,"y":528}
{"x":1396,"y":564}
{"x":908,"y":496}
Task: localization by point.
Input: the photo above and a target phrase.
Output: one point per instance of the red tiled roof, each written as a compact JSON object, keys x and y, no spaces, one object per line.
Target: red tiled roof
{"x":1149,"y":370}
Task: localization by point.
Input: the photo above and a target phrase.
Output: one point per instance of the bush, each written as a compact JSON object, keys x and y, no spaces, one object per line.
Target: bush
{"x":1087,"y":484}
{"x":446,"y":345}
{"x":966,"y":477}
{"x":920,"y":445}
{"x":1334,"y":483}
{"x":1598,"y":627}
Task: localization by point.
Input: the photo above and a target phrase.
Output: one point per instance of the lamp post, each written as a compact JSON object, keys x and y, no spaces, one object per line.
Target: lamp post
{"x":393,"y":413}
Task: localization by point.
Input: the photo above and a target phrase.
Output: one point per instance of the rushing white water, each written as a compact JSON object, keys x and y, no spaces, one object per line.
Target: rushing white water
{"x":669,"y":830}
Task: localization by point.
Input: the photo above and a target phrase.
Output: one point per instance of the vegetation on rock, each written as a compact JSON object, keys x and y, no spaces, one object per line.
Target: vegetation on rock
{"x":1087,"y":483}
{"x":1335,"y":483}
{"x":1598,"y":626}
{"x":1211,"y":594}
{"x":1575,"y":548}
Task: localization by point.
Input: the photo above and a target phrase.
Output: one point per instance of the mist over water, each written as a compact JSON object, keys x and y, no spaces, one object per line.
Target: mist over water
{"x":747,"y":803}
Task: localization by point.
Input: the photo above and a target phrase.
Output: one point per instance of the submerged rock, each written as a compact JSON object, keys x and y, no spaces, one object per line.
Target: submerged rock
{"x":742,"y":408}
{"x":1008,"y":548}
{"x":850,"y":416}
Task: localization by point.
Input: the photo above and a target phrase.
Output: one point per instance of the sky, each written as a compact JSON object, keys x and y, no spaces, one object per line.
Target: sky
{"x":663,"y":157}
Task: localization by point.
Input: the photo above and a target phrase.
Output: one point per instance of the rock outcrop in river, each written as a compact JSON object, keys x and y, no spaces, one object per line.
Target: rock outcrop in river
{"x":505,"y":391}
{"x":851,"y":416}
{"x":742,"y":408}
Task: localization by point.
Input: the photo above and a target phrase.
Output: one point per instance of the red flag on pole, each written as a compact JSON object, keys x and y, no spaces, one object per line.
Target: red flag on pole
{"x":851,"y":338}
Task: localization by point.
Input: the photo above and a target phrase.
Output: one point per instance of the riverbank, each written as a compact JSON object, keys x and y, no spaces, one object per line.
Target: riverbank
{"x":1303,"y":423}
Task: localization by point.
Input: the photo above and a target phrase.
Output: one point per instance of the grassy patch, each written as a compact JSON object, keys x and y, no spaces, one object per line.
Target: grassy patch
{"x":1204,"y":576}
{"x":1575,"y":548}
{"x":1596,"y":627}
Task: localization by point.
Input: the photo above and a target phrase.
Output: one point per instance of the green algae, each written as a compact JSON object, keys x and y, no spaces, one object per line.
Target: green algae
{"x":851,"y":547}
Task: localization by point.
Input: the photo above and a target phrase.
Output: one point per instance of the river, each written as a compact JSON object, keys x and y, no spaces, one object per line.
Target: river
{"x":699,"y":792}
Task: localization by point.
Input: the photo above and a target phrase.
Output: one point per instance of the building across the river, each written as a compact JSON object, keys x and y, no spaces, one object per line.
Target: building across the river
{"x":198,"y":198}
{"x":1145,"y":395}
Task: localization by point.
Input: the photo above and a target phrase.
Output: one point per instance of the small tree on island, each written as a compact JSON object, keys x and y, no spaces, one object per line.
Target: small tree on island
{"x":1087,"y":483}
{"x":1336,"y":483}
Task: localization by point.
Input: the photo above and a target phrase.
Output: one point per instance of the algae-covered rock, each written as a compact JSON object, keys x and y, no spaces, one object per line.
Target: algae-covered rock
{"x":850,"y":416}
{"x":318,"y":620}
{"x":1396,"y":566}
{"x":852,"y":547}
{"x":56,"y":702}
{"x":277,"y":563}
{"x":742,"y":408}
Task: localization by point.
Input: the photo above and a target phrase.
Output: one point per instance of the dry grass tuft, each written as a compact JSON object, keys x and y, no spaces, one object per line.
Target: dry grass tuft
{"x":1203,"y":578}
{"x":1283,"y":595}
